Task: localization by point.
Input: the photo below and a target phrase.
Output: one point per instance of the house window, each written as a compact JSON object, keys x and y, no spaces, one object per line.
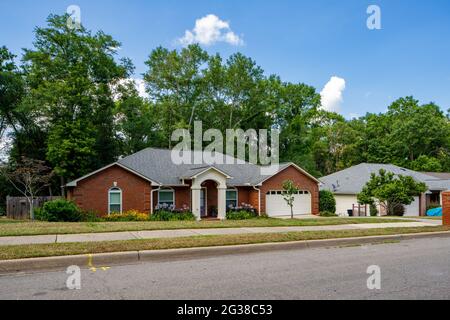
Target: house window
{"x":166,"y":198}
{"x":232,"y":198}
{"x":115,"y":201}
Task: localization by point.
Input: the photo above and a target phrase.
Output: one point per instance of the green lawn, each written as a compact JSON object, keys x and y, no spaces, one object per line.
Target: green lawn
{"x":22,"y":228}
{"x":61,"y":249}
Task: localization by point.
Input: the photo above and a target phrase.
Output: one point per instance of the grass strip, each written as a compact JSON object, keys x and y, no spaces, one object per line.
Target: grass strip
{"x":28,"y":228}
{"x":62,"y":249}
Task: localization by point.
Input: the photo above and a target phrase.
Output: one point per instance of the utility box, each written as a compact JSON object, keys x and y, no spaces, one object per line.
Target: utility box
{"x":446,"y":208}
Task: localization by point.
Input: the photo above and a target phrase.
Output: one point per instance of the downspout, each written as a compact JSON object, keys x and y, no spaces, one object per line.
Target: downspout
{"x":151,"y":197}
{"x":259,"y":199}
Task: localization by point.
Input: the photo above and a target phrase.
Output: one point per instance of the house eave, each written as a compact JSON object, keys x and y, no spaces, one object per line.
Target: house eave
{"x":74,"y":183}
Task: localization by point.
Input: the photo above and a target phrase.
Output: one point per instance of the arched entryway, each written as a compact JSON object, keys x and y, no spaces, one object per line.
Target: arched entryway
{"x":214,"y":182}
{"x":208,"y":200}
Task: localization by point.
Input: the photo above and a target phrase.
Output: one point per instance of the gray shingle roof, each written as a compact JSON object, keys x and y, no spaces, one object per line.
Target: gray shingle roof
{"x":439,"y":185}
{"x":156,"y":165}
{"x":352,"y":180}
{"x":440,"y":175}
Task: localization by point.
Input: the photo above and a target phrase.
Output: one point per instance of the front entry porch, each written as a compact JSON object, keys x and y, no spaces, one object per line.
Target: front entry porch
{"x":208,"y":192}
{"x":208,"y":200}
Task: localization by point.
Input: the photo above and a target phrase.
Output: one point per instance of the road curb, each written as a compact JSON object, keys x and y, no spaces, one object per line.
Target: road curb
{"x":132,"y":257}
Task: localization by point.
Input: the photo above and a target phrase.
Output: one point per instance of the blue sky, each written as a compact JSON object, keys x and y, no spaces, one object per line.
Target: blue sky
{"x":302,"y":41}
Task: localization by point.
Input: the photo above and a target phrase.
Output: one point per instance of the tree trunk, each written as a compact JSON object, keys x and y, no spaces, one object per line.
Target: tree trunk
{"x":63,"y":188}
{"x":292,"y":212}
{"x":31,"y":208}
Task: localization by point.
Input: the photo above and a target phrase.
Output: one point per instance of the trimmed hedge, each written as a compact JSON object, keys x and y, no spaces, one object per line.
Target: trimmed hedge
{"x":327,"y":202}
{"x":59,"y":210}
{"x":241,"y":215}
{"x":164,"y":215}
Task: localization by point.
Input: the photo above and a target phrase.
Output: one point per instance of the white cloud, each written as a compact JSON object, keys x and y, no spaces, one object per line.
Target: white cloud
{"x":140,"y":87}
{"x":332,"y":94}
{"x":210,"y":30}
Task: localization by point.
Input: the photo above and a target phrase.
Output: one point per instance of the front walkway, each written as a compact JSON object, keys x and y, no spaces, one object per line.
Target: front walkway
{"x":133,"y":235}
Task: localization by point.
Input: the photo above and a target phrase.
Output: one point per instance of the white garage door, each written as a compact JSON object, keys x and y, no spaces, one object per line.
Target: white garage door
{"x":276,"y":206}
{"x":413,"y":210}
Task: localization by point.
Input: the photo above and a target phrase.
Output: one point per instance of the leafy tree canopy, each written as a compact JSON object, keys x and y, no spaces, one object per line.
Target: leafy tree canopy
{"x":390,"y":191}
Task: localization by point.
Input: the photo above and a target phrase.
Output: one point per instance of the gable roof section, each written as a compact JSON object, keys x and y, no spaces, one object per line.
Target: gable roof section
{"x":284,"y":166}
{"x":352,"y":180}
{"x":156,"y":166}
{"x":75,"y":182}
{"x":194,"y":173}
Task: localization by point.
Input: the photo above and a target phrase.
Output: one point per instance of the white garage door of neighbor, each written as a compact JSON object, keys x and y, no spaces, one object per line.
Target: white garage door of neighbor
{"x":276,"y":206}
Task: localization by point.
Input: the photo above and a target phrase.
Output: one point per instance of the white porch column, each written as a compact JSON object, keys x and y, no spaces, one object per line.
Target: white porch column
{"x":221,"y":202}
{"x":195,"y":192}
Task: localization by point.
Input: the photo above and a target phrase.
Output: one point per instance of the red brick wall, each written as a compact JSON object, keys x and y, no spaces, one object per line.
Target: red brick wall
{"x":446,"y":208}
{"x":253,"y":198}
{"x":243,"y":196}
{"x":301,"y":180}
{"x":92,"y":193}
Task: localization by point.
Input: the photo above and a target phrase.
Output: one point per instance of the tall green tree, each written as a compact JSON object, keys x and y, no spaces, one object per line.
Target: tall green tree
{"x":72,"y":74}
{"x":12,"y":91}
{"x":137,"y":121}
{"x":295,"y":112}
{"x":174,"y":82}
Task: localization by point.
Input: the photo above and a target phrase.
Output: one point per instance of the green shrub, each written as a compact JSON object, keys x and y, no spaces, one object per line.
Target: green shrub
{"x":164,"y":215}
{"x":373,"y":210}
{"x":399,"y":211}
{"x":39,"y":214}
{"x":327,"y":214}
{"x":60,"y":210}
{"x":240,"y":215}
{"x":132,"y":215}
{"x":327,"y":202}
{"x":90,"y":216}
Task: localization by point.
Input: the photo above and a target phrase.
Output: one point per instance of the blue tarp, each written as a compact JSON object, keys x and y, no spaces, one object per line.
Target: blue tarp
{"x":436,"y":212}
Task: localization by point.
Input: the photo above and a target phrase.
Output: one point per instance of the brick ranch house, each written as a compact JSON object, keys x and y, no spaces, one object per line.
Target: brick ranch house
{"x":149,"y":178}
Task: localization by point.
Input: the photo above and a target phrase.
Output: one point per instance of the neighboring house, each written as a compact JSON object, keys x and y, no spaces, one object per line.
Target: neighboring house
{"x":149,"y":178}
{"x":346,"y":185}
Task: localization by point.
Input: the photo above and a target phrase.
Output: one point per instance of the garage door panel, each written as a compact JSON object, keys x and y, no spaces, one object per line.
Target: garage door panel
{"x":277,"y":206}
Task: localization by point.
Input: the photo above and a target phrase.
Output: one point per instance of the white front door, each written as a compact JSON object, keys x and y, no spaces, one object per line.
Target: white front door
{"x":276,"y":206}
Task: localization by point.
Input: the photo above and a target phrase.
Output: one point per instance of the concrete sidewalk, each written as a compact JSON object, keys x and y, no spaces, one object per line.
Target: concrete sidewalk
{"x":133,"y":235}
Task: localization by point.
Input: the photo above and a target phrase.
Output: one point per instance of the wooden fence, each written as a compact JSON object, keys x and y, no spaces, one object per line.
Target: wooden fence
{"x":18,"y":207}
{"x":360,"y":211}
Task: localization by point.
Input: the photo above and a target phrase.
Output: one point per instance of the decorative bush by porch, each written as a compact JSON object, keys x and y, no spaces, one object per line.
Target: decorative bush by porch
{"x":241,"y":215}
{"x":328,"y":214}
{"x":243,"y":207}
{"x":59,"y":210}
{"x":165,"y":215}
{"x":327,"y":202}
{"x":132,"y":215}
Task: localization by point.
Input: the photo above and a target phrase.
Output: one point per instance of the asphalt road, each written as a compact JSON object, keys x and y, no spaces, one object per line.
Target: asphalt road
{"x":414,"y":269}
